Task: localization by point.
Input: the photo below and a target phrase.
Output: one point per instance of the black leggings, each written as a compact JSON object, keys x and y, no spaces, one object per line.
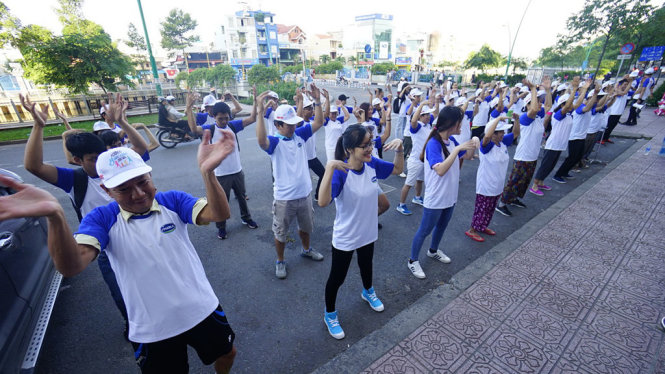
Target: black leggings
{"x":340,"y":266}
{"x":550,"y":158}
{"x":575,"y":154}
{"x":319,"y":170}
{"x":612,"y":122}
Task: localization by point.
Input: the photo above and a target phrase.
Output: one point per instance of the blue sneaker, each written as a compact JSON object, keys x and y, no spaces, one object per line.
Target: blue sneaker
{"x":558,"y":179}
{"x":370,"y":297}
{"x":403,"y":209}
{"x":418,"y":200}
{"x":332,"y":323}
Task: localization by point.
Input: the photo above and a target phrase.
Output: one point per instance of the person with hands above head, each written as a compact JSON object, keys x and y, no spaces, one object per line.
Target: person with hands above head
{"x":305,"y":109}
{"x":562,"y":123}
{"x":292,"y":184}
{"x":532,"y":127}
{"x":616,"y":110}
{"x":65,"y":134}
{"x":170,"y":302}
{"x":351,"y":181}
{"x":494,"y":159}
{"x":229,"y":172}
{"x":441,"y":157}
{"x":334,"y":125}
{"x":598,"y":120}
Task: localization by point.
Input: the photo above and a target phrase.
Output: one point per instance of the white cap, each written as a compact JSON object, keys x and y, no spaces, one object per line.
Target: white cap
{"x":503,"y":84}
{"x":306,"y":101}
{"x":605,"y":84}
{"x":450,"y":78}
{"x":208,"y":100}
{"x":527,"y":99}
{"x":561,"y":87}
{"x":427,"y":110}
{"x":649,"y":71}
{"x":273,"y":94}
{"x":102,"y":110}
{"x":287,"y":114}
{"x":502,"y":126}
{"x":333,"y":108}
{"x":635,"y":73}
{"x":541,"y":93}
{"x":478,"y":91}
{"x":118,"y":165}
{"x":519,"y":84}
{"x":416,"y":92}
{"x":170,"y":98}
{"x":460,"y":101}
{"x":376,"y":101}
{"x":602,"y":93}
{"x":524,"y":89}
{"x":100,"y":125}
{"x":562,"y":99}
{"x":494,"y":102}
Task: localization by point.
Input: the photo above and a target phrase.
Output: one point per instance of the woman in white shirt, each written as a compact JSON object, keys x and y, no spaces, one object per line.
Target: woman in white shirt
{"x":351,"y":180}
{"x":334,"y":127}
{"x":494,"y":159}
{"x":441,"y":157}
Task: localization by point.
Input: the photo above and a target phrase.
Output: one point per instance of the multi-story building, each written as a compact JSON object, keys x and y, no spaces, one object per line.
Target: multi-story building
{"x":373,"y":33}
{"x":291,"y":43}
{"x":250,"y":38}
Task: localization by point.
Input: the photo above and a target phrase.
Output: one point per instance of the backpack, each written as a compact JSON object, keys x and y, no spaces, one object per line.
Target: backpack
{"x":80,"y":188}
{"x":397,"y":104}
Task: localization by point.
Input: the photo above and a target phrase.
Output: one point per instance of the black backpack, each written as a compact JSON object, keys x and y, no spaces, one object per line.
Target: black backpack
{"x":80,"y":188}
{"x":397,"y":104}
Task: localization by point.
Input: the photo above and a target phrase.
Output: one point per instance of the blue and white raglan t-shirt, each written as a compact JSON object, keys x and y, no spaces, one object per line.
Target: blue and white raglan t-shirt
{"x":333,"y":130}
{"x":441,"y":191}
{"x":289,"y":164}
{"x":598,"y":120}
{"x":482,"y":117}
{"x":204,"y":118}
{"x":465,"y":129}
{"x":158,"y":270}
{"x":580,"y":123}
{"x":561,"y":126}
{"x":355,"y":194}
{"x":494,"y":159}
{"x":531,"y":136}
{"x":270,"y":121}
{"x":231,"y":164}
{"x":418,"y":138}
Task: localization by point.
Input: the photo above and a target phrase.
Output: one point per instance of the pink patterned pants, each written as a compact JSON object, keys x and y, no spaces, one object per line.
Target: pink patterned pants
{"x":483,"y":212}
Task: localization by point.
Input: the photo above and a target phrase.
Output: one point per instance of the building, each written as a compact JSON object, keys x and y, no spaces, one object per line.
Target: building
{"x":249,"y":38}
{"x":370,"y":37}
{"x":328,"y":44}
{"x":292,"y":41}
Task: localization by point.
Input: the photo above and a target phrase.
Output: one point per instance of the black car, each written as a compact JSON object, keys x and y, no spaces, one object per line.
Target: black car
{"x":28,"y":284}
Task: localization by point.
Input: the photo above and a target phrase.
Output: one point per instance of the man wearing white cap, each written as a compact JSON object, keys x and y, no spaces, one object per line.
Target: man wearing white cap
{"x":482,"y":115}
{"x":334,"y":125}
{"x":170,"y":302}
{"x":616,"y":110}
{"x":292,"y":184}
{"x":272,"y":101}
{"x":641,"y":95}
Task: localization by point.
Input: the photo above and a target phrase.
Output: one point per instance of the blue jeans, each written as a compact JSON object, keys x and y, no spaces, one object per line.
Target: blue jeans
{"x":433,"y":219}
{"x":111,"y":282}
{"x":399,"y":130}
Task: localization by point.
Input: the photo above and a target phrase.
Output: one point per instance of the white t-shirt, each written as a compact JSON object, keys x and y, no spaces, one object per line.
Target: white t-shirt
{"x":270,"y":121}
{"x":333,"y":129}
{"x":531,"y":135}
{"x":482,"y":117}
{"x":494,"y":159}
{"x":465,"y":132}
{"x":598,"y":121}
{"x":289,"y":165}
{"x":418,"y":137}
{"x":94,"y":194}
{"x":440,"y":191}
{"x":580,"y":123}
{"x":158,"y":270}
{"x":561,"y":126}
{"x":355,"y":194}
{"x":619,"y":105}
{"x":405,"y":104}
{"x":231,"y":164}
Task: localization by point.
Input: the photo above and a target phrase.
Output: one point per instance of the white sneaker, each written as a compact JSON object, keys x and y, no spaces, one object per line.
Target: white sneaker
{"x":438,"y":255}
{"x":416,"y":270}
{"x":402,"y":175}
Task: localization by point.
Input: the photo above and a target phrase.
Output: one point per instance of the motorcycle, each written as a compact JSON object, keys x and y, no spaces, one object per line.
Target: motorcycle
{"x":169,"y":136}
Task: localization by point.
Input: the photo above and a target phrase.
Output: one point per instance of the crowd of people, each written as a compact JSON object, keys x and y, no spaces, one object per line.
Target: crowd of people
{"x":138,"y":235}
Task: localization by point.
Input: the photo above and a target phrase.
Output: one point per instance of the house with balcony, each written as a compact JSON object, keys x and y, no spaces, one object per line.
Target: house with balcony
{"x":249,"y":38}
{"x":291,"y":44}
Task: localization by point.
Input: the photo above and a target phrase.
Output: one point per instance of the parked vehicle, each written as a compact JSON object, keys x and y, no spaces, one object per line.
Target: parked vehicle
{"x":28,"y":284}
{"x":169,"y":136}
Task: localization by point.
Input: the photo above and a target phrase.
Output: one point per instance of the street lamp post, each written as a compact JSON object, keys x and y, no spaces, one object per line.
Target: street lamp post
{"x":510,"y":53}
{"x":153,"y":65}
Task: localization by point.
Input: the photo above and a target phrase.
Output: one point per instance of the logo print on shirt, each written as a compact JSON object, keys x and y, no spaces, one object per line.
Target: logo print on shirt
{"x":299,"y":145}
{"x":168,"y":228}
{"x":374,"y":179}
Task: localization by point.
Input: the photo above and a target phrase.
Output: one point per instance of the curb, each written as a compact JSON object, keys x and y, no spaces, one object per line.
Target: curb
{"x":373,"y":346}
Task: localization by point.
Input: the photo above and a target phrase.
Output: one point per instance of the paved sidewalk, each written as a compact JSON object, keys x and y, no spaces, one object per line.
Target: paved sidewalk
{"x":582,"y":292}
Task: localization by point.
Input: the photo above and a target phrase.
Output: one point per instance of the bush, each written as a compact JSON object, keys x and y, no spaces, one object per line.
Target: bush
{"x":514,"y":79}
{"x":260,"y":73}
{"x":285,"y":90}
{"x":294,"y":69}
{"x":656,"y":96}
{"x":329,"y":68}
{"x":486,"y":78}
{"x":382,"y":68}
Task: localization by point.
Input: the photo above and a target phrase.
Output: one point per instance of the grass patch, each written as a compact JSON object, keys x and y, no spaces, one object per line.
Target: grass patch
{"x":56,"y":130}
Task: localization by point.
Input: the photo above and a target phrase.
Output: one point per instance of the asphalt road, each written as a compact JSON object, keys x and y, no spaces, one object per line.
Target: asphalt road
{"x":278,"y":323}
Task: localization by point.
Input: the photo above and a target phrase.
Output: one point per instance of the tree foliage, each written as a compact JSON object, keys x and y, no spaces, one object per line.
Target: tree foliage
{"x":382,"y":68}
{"x":324,"y":59}
{"x":484,"y":58}
{"x":260,"y":73}
{"x":9,"y":26}
{"x":207,"y":77}
{"x":136,"y":41}
{"x":329,"y":68}
{"x":176,"y":31}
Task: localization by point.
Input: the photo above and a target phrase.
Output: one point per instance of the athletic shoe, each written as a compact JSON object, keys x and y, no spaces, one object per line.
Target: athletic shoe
{"x":416,"y":270}
{"x":380,"y":226}
{"x":439,"y":255}
{"x":280,"y":269}
{"x":418,"y":200}
{"x":577,"y":170}
{"x":558,"y":179}
{"x":332,"y":323}
{"x":545,"y":187}
{"x":568,"y":176}
{"x":504,"y":210}
{"x":312,"y":254}
{"x":402,"y":175}
{"x":221,"y":234}
{"x":662,"y":323}
{"x":370,"y":297}
{"x":403,"y":209}
{"x":518,"y":204}
{"x":536,"y":192}
{"x":250,"y":223}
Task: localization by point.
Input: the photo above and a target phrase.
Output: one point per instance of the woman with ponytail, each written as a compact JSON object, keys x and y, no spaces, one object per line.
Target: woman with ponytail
{"x":441,"y":157}
{"x":351,"y":180}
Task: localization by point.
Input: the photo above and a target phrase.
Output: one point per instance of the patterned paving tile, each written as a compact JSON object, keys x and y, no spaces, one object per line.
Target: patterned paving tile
{"x":489,"y":299}
{"x":527,"y":264}
{"x":618,"y":239}
{"x":556,"y":237}
{"x":637,"y":286}
{"x":577,"y":283}
{"x":598,"y":249}
{"x":397,"y":360}
{"x":593,"y":354}
{"x":479,"y":364}
{"x":598,"y":271}
{"x":548,"y":329}
{"x":568,"y":367}
{"x":549,"y":253}
{"x":517,"y":353}
{"x":630,"y":306}
{"x":559,"y":302}
{"x":645,"y":267}
{"x":510,"y":279}
{"x":466,"y":322}
{"x":436,"y":349}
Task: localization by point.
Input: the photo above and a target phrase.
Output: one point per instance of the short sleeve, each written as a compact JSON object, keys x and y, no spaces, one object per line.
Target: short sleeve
{"x":495,"y":113}
{"x":541,"y":113}
{"x":415,"y":131}
{"x":377,"y":121}
{"x":340,"y":119}
{"x":304,"y":131}
{"x":431,"y":118}
{"x":377,"y":143}
{"x":146,"y":156}
{"x":434,"y":152}
{"x":526,"y":120}
{"x":98,"y":222}
{"x":337,"y":183}
{"x":180,"y":202}
{"x":65,"y":179}
{"x":208,"y":127}
{"x":469,"y":114}
{"x":201,"y":118}
{"x":236,"y":125}
{"x":273,"y":141}
{"x":486,"y":148}
{"x":383,"y":168}
{"x":488,"y":98}
{"x":460,"y":154}
{"x":325,"y":122}
{"x":580,"y":109}
{"x":558,"y":116}
{"x":268,"y":112}
{"x":508,"y":139}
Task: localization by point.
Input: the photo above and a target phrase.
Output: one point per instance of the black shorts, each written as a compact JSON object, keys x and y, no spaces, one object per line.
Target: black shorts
{"x":211,"y":338}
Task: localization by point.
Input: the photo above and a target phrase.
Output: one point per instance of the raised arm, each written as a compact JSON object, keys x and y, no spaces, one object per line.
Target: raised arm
{"x":116,"y":112}
{"x":591,"y":103}
{"x":582,"y":95}
{"x":190,"y":99}
{"x":252,"y":116}
{"x":516,"y":125}
{"x":61,"y":116}
{"x":65,"y":135}
{"x":209,"y":156}
{"x":236,"y":105}
{"x":326,"y":110}
{"x":416,"y":116}
{"x":325,"y":190}
{"x":154,"y":143}
{"x":261,"y":135}
{"x":315,"y":93}
{"x":442,"y":167}
{"x":489,"y":129}
{"x":534,"y":104}
{"x":34,"y":152}
{"x":388,"y":121}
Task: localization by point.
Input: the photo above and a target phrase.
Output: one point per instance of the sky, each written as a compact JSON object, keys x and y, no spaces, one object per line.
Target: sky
{"x":472,"y":23}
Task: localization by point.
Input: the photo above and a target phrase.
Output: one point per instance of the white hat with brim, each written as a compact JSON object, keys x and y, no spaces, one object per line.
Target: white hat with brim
{"x":100,"y":125}
{"x":634,"y":73}
{"x":306,"y":101}
{"x":376,"y":101}
{"x":333,"y":108}
{"x":209,"y":100}
{"x":460,"y":101}
{"x":602,"y":93}
{"x":541,"y":93}
{"x":649,"y":71}
{"x":170,"y":98}
{"x":118,"y":165}
{"x":427,"y":110}
{"x":503,"y":85}
{"x":502,"y":126}
{"x":524,"y":89}
{"x":416,"y":92}
{"x":479,"y":91}
{"x":605,"y":84}
{"x":494,"y":102}
{"x":273,"y":94}
{"x":562,"y":100}
{"x":287,"y":114}
{"x":561,"y":87}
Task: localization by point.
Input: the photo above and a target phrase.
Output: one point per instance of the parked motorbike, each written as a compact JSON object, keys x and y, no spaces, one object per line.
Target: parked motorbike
{"x":169,"y":137}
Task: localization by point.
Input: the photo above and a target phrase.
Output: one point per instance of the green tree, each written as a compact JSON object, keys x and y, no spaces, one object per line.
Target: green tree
{"x":382,"y":68}
{"x":136,"y":41}
{"x":341,"y":59}
{"x":220,"y":75}
{"x":605,"y":18}
{"x":519,"y":63}
{"x":9,"y":26}
{"x":260,"y":73}
{"x":324,"y":59}
{"x":484,"y":58}
{"x":176,"y":32}
{"x":69,"y":11}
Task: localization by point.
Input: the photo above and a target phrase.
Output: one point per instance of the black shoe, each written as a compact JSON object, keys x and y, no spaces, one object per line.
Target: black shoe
{"x":380,"y":226}
{"x":250,"y":223}
{"x":518,"y":204}
{"x":221,"y":234}
{"x":504,"y":210}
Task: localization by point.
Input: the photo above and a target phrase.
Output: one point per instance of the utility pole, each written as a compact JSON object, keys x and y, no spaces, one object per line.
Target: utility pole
{"x":153,"y":65}
{"x":510,"y":53}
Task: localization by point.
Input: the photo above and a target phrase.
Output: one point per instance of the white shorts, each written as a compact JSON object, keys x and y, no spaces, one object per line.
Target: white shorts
{"x":415,"y":171}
